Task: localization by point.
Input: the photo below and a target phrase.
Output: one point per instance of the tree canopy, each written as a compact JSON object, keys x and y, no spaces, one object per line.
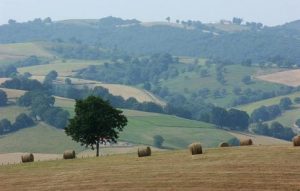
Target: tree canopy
{"x":95,"y":122}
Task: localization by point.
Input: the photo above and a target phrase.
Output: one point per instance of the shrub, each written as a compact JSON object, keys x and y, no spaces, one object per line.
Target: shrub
{"x":158,"y":141}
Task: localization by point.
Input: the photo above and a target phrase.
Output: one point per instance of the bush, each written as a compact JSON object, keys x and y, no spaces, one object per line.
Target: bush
{"x":285,"y":103}
{"x":3,"y":98}
{"x":158,"y":141}
{"x":23,"y":121}
{"x":297,"y":100}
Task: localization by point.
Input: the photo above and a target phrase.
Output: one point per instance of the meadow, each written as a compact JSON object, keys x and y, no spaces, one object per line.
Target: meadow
{"x":237,"y":168}
{"x":233,"y":76}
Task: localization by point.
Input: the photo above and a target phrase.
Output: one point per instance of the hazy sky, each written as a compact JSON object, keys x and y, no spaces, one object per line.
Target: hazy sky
{"x":270,"y":12}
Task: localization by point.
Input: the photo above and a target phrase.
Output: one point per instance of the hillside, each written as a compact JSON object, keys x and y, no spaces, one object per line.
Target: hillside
{"x":238,"y":168}
{"x":257,"y":43}
{"x":10,"y":53}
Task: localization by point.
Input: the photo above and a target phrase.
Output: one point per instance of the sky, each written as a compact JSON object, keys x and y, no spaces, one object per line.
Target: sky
{"x":269,"y":12}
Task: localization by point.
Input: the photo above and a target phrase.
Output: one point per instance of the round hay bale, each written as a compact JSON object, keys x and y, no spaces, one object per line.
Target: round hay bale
{"x":195,"y":148}
{"x":27,"y":158}
{"x":69,"y":154}
{"x":296,"y":141}
{"x":144,"y":152}
{"x":224,"y":144}
{"x":246,"y":142}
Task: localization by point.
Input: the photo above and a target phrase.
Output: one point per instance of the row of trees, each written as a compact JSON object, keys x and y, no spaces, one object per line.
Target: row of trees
{"x":22,"y":121}
{"x":42,"y":107}
{"x":276,"y":130}
{"x":266,"y":113}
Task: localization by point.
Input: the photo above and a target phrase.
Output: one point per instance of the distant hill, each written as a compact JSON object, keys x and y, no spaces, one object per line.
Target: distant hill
{"x":227,"y":41}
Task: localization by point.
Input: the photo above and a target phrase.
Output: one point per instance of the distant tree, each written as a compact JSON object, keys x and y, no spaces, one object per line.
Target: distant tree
{"x":237,"y":90}
{"x":27,"y":75}
{"x":237,"y":21}
{"x":168,"y":19}
{"x":204,"y":73}
{"x":246,"y":79}
{"x":5,"y":126}
{"x":237,"y":120}
{"x":177,"y":21}
{"x":22,"y":121}
{"x":260,"y":114}
{"x":158,"y":141}
{"x":218,"y":116}
{"x":52,"y":75}
{"x":297,"y":100}
{"x":260,"y":128}
{"x":297,"y":122}
{"x":11,"y":21}
{"x":3,"y":98}
{"x":95,"y":122}
{"x":285,"y":103}
{"x":68,"y":81}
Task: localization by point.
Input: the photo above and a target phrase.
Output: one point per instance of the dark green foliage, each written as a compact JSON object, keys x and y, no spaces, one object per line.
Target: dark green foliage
{"x":268,"y":43}
{"x":234,"y":142}
{"x":8,"y":71}
{"x":134,"y":71}
{"x":5,"y":126}
{"x":41,"y":105}
{"x":297,"y":100}
{"x":22,"y":83}
{"x":50,"y":77}
{"x":237,"y":120}
{"x":218,"y":116}
{"x":3,"y":98}
{"x":95,"y":122}
{"x":158,"y":141}
{"x":247,"y":80}
{"x":285,"y":103}
{"x":30,"y":61}
{"x":276,"y":130}
{"x":23,"y":121}
{"x":265,"y":113}
{"x":297,"y":122}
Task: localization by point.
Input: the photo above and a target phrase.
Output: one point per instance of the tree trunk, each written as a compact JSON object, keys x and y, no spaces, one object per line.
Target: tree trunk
{"x":97,"y":154}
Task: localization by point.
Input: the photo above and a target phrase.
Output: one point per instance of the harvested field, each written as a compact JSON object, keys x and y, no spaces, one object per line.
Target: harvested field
{"x":239,"y":168}
{"x":14,"y":158}
{"x":259,"y":139}
{"x":289,"y":77}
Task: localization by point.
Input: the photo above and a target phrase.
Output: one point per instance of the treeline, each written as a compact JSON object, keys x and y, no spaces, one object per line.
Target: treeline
{"x":22,"y":121}
{"x":276,"y":130}
{"x":133,"y":70}
{"x":266,"y":113}
{"x":42,"y":108}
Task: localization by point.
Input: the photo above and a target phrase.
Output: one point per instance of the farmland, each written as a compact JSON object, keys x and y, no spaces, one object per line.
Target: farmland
{"x":233,"y":76}
{"x":237,"y":168}
{"x":289,"y":77}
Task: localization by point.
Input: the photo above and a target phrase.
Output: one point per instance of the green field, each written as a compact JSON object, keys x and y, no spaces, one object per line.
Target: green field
{"x":63,"y":68}
{"x":142,"y":126}
{"x":10,"y":53}
{"x":267,"y":102}
{"x":233,"y":76}
{"x":11,"y":112}
{"x":39,"y":139}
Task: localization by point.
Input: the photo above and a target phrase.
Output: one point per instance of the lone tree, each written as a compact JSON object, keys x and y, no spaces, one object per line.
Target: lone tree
{"x":95,"y":122}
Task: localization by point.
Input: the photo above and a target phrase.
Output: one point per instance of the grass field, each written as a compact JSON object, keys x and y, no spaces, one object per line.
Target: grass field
{"x":234,"y":74}
{"x":267,"y":102}
{"x":63,"y":68}
{"x":16,"y":51}
{"x":11,"y":112}
{"x":39,"y":139}
{"x":227,"y":169}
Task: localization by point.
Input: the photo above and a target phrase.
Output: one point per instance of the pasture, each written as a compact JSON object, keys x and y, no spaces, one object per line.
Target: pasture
{"x":227,"y":169}
{"x":233,"y":76}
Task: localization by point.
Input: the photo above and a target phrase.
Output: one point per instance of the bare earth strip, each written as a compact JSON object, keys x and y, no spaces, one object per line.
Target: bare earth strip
{"x":290,"y":77}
